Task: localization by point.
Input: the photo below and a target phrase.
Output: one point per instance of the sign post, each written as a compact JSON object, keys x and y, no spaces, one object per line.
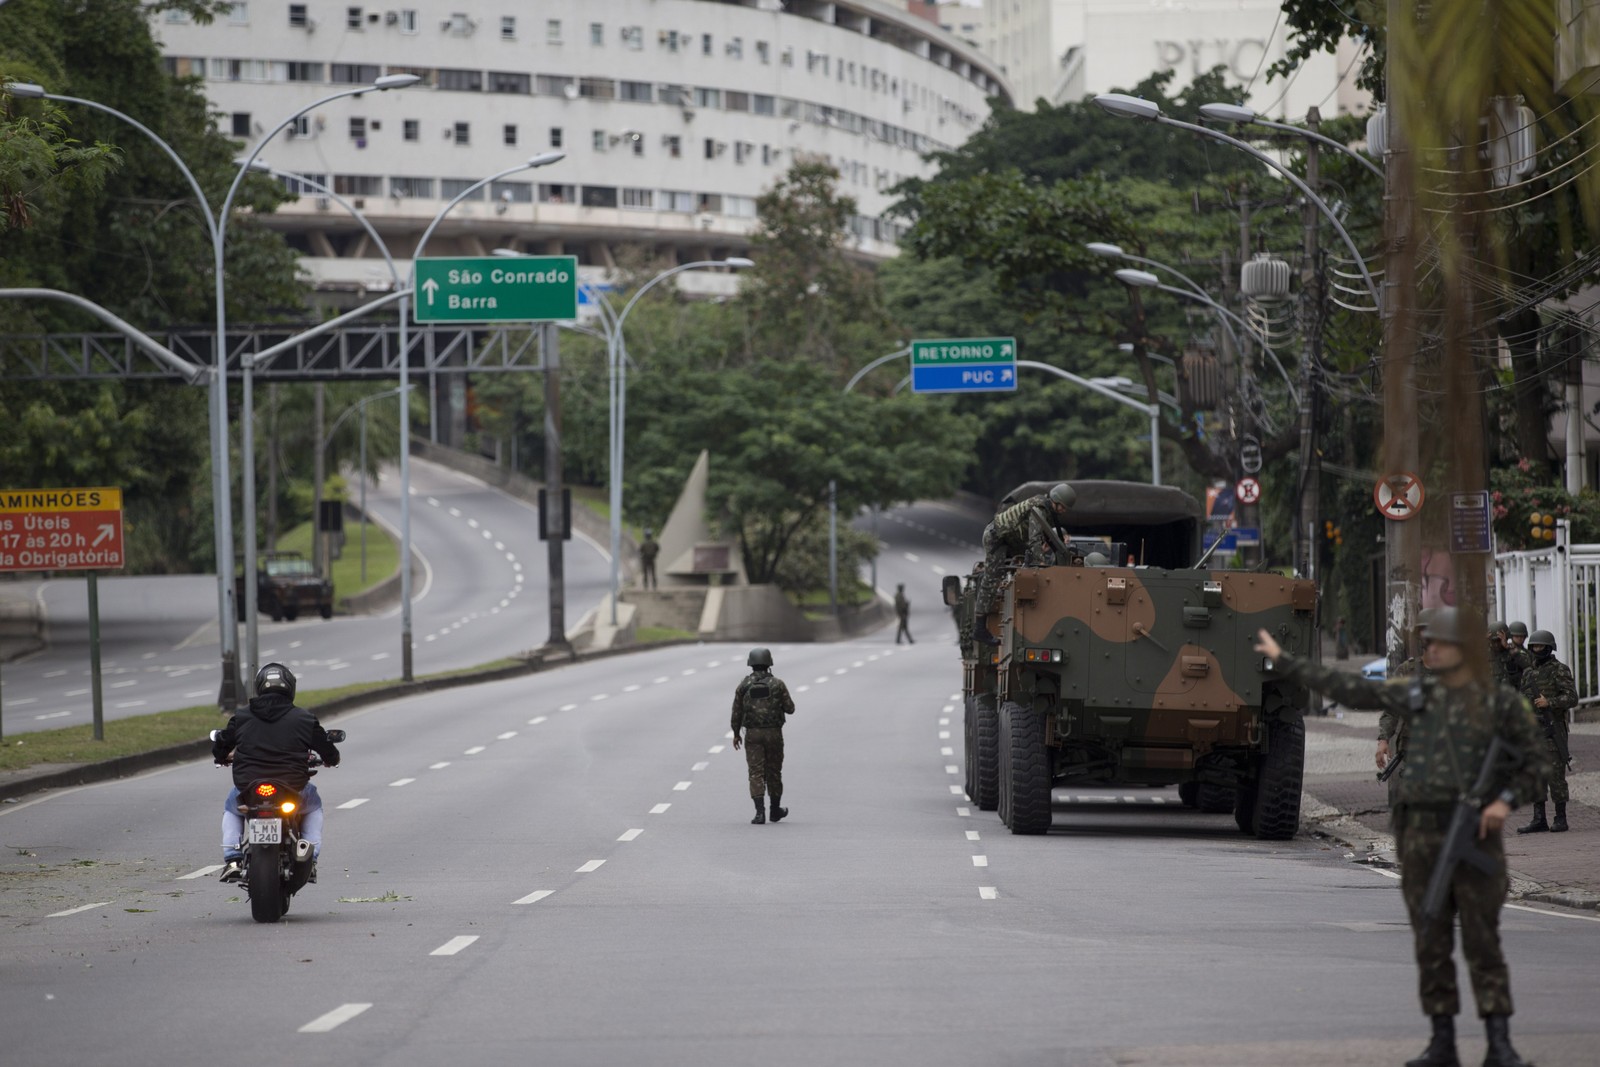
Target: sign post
{"x":492,"y":289}
{"x":66,"y":530}
{"x":964,"y":365}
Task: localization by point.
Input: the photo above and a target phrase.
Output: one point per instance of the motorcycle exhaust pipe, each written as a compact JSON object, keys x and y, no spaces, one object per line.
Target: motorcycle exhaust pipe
{"x":302,"y":850}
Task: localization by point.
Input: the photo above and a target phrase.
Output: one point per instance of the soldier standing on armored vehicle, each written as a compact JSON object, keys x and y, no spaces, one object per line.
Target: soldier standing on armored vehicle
{"x":760,"y":705}
{"x":1549,"y":687}
{"x":1453,"y":722}
{"x":1023,"y":529}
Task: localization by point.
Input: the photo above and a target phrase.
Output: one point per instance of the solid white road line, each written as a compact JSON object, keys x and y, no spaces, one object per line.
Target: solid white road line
{"x":439,"y":766}
{"x":660,"y":809}
{"x":681,"y":786}
{"x":536,"y":720}
{"x":337,"y":1017}
{"x":356,"y":803}
{"x":980,"y":861}
{"x":965,"y":813}
{"x":629,"y":835}
{"x":715,"y":749}
{"x":1551,"y":914}
{"x":473,"y":751}
{"x":592,"y":865}
{"x":534,"y":897}
{"x":398,"y":782}
{"x":201,"y":873}
{"x":508,"y":735}
{"x":702,"y":765}
{"x":987,"y":892}
{"x":74,"y":911}
{"x":454,"y":945}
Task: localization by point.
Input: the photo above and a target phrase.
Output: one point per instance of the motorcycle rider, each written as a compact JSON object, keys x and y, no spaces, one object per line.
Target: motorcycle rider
{"x":270,"y":739}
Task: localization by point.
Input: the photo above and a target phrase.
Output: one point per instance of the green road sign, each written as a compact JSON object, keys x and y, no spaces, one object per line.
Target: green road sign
{"x":496,"y":289}
{"x":964,"y":365}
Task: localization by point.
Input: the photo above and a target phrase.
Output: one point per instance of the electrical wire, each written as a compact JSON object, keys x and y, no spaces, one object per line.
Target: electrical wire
{"x":1263,"y":60}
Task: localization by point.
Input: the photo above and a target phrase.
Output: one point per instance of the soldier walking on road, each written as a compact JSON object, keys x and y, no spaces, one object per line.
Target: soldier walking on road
{"x":1024,"y":529}
{"x":648,"y":551}
{"x":1452,"y":719}
{"x":902,"y":610}
{"x":1548,"y":686}
{"x":760,"y":705}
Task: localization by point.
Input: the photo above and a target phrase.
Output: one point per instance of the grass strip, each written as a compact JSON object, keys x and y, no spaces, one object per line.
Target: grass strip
{"x":646,"y":635}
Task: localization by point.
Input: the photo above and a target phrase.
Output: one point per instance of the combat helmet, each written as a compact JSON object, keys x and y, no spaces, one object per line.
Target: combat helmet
{"x":1498,"y":626}
{"x":760,"y":657}
{"x":1063,"y":495}
{"x":275,"y":678}
{"x":1518,"y":629}
{"x":1542,"y":637}
{"x":1097,"y":559}
{"x":1444,"y":624}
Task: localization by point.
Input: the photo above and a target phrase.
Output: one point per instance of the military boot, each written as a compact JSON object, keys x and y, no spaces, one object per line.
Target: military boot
{"x":777,"y":812}
{"x":1498,"y":1030}
{"x":1538,"y":825}
{"x":761,"y":812}
{"x":1560,"y":825}
{"x":980,"y":631}
{"x":1441,"y":1050}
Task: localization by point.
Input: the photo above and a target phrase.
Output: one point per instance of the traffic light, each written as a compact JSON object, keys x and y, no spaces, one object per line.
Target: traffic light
{"x":1333,"y":534}
{"x":1542,"y":526}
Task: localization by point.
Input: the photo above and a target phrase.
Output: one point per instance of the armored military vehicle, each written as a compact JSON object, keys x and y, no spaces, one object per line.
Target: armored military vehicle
{"x":1137,"y":668}
{"x":287,"y":584}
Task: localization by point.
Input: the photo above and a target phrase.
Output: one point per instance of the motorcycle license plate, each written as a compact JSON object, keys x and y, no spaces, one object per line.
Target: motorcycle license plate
{"x":266,"y":831}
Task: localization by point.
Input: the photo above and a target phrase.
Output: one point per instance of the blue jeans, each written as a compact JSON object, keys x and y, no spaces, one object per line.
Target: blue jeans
{"x":310,"y":821}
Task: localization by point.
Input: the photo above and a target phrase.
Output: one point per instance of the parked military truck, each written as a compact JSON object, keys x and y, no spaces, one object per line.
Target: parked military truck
{"x":286,"y":585}
{"x":1141,"y":672}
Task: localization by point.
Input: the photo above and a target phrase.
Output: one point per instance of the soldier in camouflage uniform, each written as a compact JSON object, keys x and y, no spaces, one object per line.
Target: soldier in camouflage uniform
{"x":1026,"y":529}
{"x":760,"y":705}
{"x":1500,"y":654}
{"x":964,"y":610}
{"x":1451,"y":719}
{"x":1391,"y":727}
{"x":1517,"y":657}
{"x":1549,"y":688}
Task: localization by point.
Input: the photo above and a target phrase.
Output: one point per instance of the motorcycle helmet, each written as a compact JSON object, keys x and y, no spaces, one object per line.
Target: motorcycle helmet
{"x":275,"y":678}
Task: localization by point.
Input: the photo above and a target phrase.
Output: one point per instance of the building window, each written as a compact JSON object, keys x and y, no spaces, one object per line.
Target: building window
{"x":736,"y":101}
{"x":552,"y":31}
{"x":352,"y":18}
{"x":239,"y":13}
{"x":710,"y":203}
{"x":429,"y":76}
{"x":741,"y":150}
{"x":711,"y":150}
{"x":734,"y":48}
{"x":762,"y":104}
{"x":787,"y":58}
{"x":508,"y":134}
{"x":511,"y":192}
{"x":459,"y":24}
{"x":599,"y":196}
{"x":639,"y":199}
{"x":638,"y":92}
{"x":741,"y":207}
{"x":555,"y":137}
{"x":705,"y":44}
{"x":558,"y":194}
{"x":597,"y":34}
{"x":463,"y":133}
{"x":303,"y":72}
{"x":304,"y":183}
{"x":185,"y":66}
{"x":501,"y":81}
{"x":763,"y":51}
{"x":300,"y":127}
{"x":673,"y":144}
{"x":297,"y":16}
{"x":358,"y":184}
{"x":597,"y":140}
{"x":358,"y":129}
{"x":597,"y":88}
{"x":508,"y":28}
{"x":674,"y":94}
{"x":635,"y":141}
{"x":672,"y":40}
{"x":676,"y":201}
{"x":352,"y":73}
{"x":415,"y":188}
{"x":551,"y":84}
{"x":633,"y":37}
{"x":240,"y":123}
{"x":450,"y":188}
{"x":711,"y":98}
{"x":405,"y":19}
{"x":411,"y":130}
{"x":468,"y":81}
{"x":769,"y":155}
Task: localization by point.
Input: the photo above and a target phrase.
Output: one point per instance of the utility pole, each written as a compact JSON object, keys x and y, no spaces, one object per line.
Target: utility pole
{"x":272,"y":474}
{"x":317,"y":476}
{"x":1248,"y":515}
{"x":554,"y":493}
{"x":1311,"y":282}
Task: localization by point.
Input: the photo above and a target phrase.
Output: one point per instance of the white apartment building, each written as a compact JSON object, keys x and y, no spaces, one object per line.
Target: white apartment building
{"x":675,"y":115}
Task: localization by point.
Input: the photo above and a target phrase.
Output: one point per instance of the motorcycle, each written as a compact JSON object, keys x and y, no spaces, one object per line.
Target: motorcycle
{"x":277,"y":860}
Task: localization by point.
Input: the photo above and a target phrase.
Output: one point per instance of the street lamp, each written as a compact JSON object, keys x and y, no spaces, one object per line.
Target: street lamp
{"x":1134,"y":107}
{"x":1111,"y":251}
{"x":1240,"y":115}
{"x":360,"y":406}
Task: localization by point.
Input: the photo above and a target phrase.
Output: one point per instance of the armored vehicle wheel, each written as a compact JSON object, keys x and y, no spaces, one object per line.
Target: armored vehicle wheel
{"x":1282,"y":770}
{"x":1214,"y":799}
{"x":1189,"y":793}
{"x":327,"y":611}
{"x":291,"y":613}
{"x":969,"y":737}
{"x":988,"y":751}
{"x":1025,"y":788}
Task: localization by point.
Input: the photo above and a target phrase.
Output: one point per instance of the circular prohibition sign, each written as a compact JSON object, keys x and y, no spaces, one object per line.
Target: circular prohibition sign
{"x":1399,"y":496}
{"x":1248,"y":490}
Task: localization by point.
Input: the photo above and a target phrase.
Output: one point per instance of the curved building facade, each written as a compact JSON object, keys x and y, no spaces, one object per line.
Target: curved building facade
{"x":675,"y":115}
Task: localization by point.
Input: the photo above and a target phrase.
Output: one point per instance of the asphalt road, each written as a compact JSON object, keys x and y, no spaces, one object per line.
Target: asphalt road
{"x":483,"y":597}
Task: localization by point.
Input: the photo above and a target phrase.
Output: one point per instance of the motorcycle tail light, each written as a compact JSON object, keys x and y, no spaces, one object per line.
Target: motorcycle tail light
{"x":266,"y":789}
{"x":287,"y":806}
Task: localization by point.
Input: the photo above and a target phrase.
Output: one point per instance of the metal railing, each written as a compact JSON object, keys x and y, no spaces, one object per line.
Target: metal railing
{"x":1557,"y":589}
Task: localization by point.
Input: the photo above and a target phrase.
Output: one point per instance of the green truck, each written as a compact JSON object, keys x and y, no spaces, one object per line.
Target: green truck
{"x":1136,"y":672}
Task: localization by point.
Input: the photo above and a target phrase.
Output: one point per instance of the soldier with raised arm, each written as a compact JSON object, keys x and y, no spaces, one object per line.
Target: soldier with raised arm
{"x":1451,"y":720}
{"x":1027,"y":528}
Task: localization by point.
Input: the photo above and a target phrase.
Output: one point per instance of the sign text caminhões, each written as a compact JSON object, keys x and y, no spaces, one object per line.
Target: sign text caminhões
{"x":60,"y":529}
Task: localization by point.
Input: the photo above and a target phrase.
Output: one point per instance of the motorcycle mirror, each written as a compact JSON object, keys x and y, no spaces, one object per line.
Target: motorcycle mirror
{"x":214,"y":734}
{"x":336,"y":736}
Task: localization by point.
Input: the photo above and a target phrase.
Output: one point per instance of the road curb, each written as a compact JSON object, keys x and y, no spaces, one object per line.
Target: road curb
{"x":17,"y":784}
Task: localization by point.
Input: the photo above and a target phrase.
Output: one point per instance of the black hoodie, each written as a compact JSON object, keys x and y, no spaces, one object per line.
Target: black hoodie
{"x":270,"y":739}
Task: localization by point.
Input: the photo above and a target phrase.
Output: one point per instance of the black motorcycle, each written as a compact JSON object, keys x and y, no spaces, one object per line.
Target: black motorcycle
{"x":277,"y":860}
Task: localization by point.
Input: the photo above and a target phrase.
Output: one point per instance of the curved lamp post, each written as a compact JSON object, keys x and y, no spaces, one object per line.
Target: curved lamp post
{"x":1241,"y":115}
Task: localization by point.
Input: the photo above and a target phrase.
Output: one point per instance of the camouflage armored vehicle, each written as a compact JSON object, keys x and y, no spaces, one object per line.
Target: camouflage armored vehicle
{"x":286,"y":585}
{"x":1138,"y":671}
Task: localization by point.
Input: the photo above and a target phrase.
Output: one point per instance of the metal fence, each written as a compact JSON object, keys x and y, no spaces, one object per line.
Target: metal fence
{"x":1557,"y":589}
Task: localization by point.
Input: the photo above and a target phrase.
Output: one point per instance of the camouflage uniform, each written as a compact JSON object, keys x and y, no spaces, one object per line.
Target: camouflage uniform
{"x":648,"y":551}
{"x":1518,"y":660}
{"x":1446,"y":744}
{"x":1499,"y":664}
{"x":1026,"y":529}
{"x":759,"y":706}
{"x":902,"y":611}
{"x":1552,"y":680}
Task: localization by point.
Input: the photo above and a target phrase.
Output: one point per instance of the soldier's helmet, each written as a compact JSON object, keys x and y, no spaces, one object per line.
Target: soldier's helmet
{"x":1097,"y":559}
{"x":759,"y":657}
{"x":1518,"y":629}
{"x":1063,"y":495}
{"x":1497,"y":627}
{"x":275,"y":678}
{"x":1444,"y":624}
{"x":1542,"y":638}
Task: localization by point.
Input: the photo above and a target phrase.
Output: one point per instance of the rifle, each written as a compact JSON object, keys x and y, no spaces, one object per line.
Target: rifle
{"x":1547,"y":722}
{"x":1460,"y":838}
{"x":1390,"y":767}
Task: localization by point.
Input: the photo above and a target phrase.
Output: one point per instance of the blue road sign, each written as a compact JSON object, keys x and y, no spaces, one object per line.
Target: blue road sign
{"x":1247,"y":535}
{"x":967,"y":378}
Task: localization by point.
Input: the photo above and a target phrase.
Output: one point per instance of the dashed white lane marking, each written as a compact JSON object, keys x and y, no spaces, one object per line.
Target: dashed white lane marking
{"x":455,"y":512}
{"x":681,"y":786}
{"x":714,"y":664}
{"x":872,"y":658}
{"x":913,"y":557}
{"x":944,"y":735}
{"x":537,"y":719}
{"x":631,"y":688}
{"x":858,"y":663}
{"x":53,"y":715}
{"x":937,"y":569}
{"x":821,"y":680}
{"x":715,"y":749}
{"x":702,"y":765}
{"x":201,"y":873}
{"x":439,"y":766}
{"x":398,"y":782}
{"x":951,"y":768}
{"x":338,"y":666}
{"x":801,"y":688}
{"x":431,"y":637}
{"x":356,"y":803}
{"x":947,"y":751}
{"x":454,"y":945}
{"x":122,"y":685}
{"x":130,"y":703}
{"x":433,"y":500}
{"x":337,"y":1017}
{"x":965,"y":813}
{"x":82,"y":907}
{"x":972,"y":835}
{"x":948,"y":707}
{"x":958,"y":791}
{"x":197,"y":694}
{"x":980,"y":861}
{"x":76,"y":693}
{"x":473,"y":751}
{"x":687,"y":671}
{"x":660,"y":809}
{"x":567,"y":707}
{"x":534,"y":897}
{"x":487,"y":536}
{"x":508,"y":735}
{"x":591,"y":866}
{"x":659,"y":681}
{"x":839,"y":670}
{"x":944,"y":722}
{"x":499,"y":546}
{"x":58,"y":674}
{"x":987,"y":892}
{"x":296,"y":644}
{"x":472,"y":523}
{"x":630,"y":834}
{"x":599,"y":696}
{"x":380,"y":655}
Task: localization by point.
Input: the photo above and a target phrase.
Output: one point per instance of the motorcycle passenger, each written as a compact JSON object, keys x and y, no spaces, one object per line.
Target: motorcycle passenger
{"x":270,"y":739}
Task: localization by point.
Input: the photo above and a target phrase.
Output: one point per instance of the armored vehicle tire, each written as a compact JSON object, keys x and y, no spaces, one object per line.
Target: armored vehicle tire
{"x":1281,"y":773}
{"x":327,"y":611}
{"x":1189,"y":793}
{"x":1215,"y":799}
{"x":291,"y":613}
{"x":1025,"y":780}
{"x":987,"y":728}
{"x":969,"y":754}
